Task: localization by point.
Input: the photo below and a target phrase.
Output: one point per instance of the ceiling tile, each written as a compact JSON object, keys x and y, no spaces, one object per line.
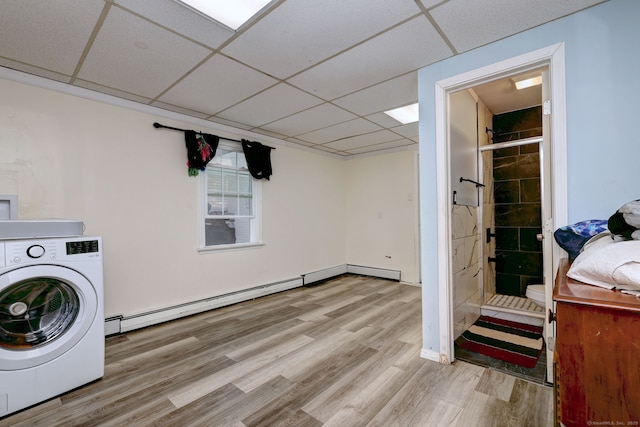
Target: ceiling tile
{"x":409,"y":46}
{"x":472,"y":23}
{"x":36,"y":71}
{"x":384,"y":146}
{"x":339,"y":131}
{"x":430,"y":3}
{"x":299,"y":142}
{"x":383,"y":120}
{"x":393,"y":93}
{"x":178,"y":18}
{"x":308,"y":31}
{"x":362,"y":140}
{"x":261,"y":109}
{"x":51,"y":35}
{"x":310,"y":120}
{"x":410,"y":130}
{"x":113,"y":92}
{"x":230,"y":123}
{"x":216,"y":85}
{"x":180,"y":110}
{"x":131,"y":54}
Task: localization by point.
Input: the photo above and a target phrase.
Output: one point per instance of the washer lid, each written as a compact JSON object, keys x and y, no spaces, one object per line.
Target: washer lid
{"x":44,"y":311}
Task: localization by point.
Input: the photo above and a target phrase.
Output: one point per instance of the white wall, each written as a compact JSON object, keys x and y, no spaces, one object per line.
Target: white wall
{"x":382,"y":209}
{"x":602,"y":108}
{"x":69,"y":157}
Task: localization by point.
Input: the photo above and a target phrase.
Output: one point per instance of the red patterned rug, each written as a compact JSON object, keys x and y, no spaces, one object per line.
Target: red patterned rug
{"x":512,"y":342}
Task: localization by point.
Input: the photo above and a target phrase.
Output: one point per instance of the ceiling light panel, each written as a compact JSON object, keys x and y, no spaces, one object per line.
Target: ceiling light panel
{"x":229,"y":13}
{"x":406,"y":114}
{"x":523,"y":84}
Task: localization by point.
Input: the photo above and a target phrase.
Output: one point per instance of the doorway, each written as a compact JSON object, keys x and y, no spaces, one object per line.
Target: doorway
{"x":552,"y":159}
{"x":511,"y":207}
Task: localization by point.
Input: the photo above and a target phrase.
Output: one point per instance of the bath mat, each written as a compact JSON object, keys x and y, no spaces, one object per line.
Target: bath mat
{"x":512,"y":342}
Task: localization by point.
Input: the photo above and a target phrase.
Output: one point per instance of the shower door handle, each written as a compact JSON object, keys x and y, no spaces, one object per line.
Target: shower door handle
{"x":540,"y":237}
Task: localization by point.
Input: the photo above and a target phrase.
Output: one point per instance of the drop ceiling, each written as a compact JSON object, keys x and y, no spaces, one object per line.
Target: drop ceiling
{"x":318,"y":73}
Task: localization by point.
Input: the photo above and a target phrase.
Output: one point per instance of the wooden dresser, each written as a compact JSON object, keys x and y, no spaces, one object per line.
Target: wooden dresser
{"x":597,"y":355}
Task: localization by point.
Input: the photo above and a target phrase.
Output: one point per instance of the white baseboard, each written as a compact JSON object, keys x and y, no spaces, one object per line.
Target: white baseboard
{"x":120,"y":324}
{"x":142,"y":320}
{"x":383,"y":273}
{"x":112,"y":325}
{"x":325,"y":273}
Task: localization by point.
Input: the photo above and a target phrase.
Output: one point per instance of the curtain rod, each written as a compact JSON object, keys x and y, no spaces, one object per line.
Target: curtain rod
{"x":158,"y":125}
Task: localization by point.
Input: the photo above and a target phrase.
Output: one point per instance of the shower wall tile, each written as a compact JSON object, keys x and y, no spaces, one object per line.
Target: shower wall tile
{"x":518,"y":215}
{"x":520,"y":263}
{"x":458,"y":221}
{"x":518,"y":124}
{"x":507,"y":191}
{"x":508,"y":284}
{"x":458,"y":254}
{"x":505,"y":152}
{"x":531,"y":148}
{"x":471,"y":221}
{"x":530,"y":190}
{"x":529,"y":241}
{"x":516,"y":167}
{"x":467,"y":271}
{"x":518,"y":202}
{"x":466,"y":300}
{"x":514,"y":136}
{"x":472,"y":250}
{"x":507,"y":238}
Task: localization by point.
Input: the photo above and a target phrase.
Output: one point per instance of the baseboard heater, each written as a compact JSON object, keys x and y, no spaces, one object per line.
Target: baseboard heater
{"x":120,"y":324}
{"x":328,"y":273}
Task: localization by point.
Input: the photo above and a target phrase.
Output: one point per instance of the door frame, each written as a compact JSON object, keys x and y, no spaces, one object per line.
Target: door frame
{"x":553,"y":58}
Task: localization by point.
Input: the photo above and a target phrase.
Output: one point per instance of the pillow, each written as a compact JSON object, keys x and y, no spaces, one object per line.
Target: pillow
{"x":607,"y":263}
{"x":572,"y":237}
{"x":625,"y":222}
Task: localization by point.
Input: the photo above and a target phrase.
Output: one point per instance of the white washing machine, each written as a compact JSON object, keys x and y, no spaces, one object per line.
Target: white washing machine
{"x":51,"y":318}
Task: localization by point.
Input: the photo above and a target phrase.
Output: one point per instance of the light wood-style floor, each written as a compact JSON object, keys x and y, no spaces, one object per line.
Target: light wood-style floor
{"x":344,"y":353}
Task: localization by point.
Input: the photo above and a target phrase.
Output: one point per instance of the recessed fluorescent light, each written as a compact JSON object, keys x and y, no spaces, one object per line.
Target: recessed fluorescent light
{"x":406,"y":114}
{"x":232,"y":13}
{"x":523,"y":84}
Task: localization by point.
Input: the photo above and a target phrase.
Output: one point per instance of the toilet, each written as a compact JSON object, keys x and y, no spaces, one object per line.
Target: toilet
{"x":536,"y":294}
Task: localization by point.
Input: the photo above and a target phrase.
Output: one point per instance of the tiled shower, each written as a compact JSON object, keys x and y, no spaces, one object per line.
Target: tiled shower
{"x":517,"y":203}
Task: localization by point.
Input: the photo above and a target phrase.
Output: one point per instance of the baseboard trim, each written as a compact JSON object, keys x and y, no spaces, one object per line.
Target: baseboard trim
{"x":142,"y":320}
{"x":120,"y":324}
{"x":325,"y":273}
{"x":383,"y":273}
{"x":112,"y":325}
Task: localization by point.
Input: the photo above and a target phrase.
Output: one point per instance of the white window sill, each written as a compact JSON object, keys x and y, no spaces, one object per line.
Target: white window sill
{"x":221,"y":248}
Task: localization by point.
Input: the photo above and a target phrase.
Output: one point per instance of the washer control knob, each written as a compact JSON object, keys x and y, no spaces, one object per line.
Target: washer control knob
{"x":35,"y":251}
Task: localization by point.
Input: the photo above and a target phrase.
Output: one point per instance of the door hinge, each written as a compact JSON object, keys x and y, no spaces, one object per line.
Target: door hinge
{"x":546,"y":107}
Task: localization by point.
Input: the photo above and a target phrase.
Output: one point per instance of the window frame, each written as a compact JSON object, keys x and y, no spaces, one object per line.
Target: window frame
{"x":256,"y":217}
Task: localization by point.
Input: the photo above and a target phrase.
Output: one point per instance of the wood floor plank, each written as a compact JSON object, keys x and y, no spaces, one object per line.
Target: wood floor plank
{"x":345,"y":352}
{"x":337,"y":396}
{"x":206,"y":385}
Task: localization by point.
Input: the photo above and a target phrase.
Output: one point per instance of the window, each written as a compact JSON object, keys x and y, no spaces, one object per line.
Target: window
{"x":232,"y":201}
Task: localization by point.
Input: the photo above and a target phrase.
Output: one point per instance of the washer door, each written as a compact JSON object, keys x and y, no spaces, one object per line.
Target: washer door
{"x":44,"y":311}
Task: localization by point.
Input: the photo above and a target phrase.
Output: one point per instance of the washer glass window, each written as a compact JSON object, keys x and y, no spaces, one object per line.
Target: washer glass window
{"x":36,"y":311}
